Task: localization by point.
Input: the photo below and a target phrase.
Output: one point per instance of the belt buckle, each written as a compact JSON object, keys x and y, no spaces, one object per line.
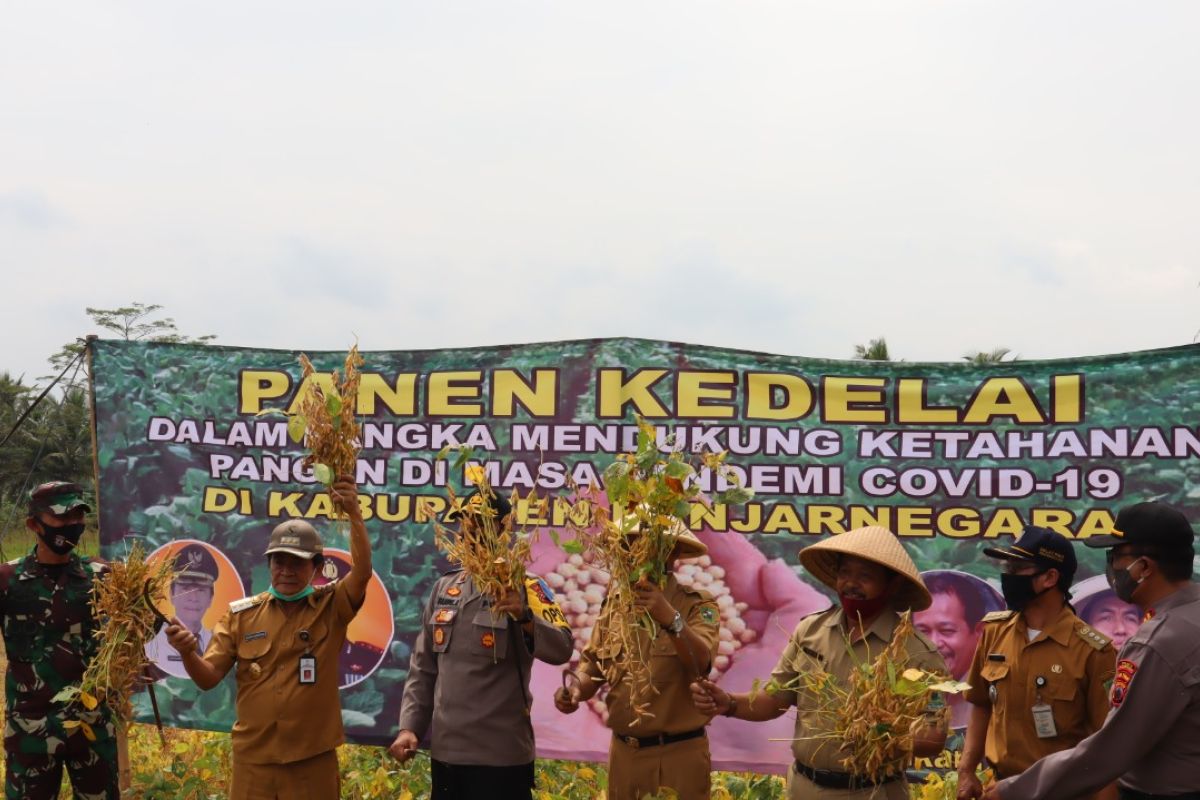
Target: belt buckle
{"x":632,"y":741}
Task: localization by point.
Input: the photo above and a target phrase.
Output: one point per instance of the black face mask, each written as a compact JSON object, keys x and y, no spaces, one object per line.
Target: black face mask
{"x":1121,"y":582}
{"x":1018,"y":590}
{"x":61,"y":540}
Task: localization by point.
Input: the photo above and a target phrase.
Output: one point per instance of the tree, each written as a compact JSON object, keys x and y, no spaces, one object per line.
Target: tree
{"x":134,"y":322}
{"x":998,"y":355}
{"x":55,"y":440}
{"x":876,"y":350}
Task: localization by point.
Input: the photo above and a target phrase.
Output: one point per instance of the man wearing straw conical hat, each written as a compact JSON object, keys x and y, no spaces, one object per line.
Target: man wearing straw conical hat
{"x":875,"y":580}
{"x":667,"y":747}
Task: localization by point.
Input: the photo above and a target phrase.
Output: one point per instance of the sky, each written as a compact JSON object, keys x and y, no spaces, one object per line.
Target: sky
{"x":790,"y":177}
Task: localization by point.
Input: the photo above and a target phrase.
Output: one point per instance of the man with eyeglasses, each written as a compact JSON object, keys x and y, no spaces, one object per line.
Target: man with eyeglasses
{"x":1040,"y":676}
{"x":1150,"y":740}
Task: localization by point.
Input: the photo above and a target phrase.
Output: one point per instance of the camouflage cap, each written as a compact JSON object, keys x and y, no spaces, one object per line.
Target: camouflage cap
{"x":296,"y":537}
{"x":57,"y":497}
{"x":195,"y":564}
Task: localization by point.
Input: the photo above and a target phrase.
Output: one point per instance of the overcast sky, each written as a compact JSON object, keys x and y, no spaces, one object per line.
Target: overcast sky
{"x":792,"y":177}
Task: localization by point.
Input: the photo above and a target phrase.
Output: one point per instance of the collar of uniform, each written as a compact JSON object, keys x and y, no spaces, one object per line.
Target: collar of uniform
{"x":32,"y":568}
{"x":1188,"y":594}
{"x":881,"y":627}
{"x":1059,"y":629}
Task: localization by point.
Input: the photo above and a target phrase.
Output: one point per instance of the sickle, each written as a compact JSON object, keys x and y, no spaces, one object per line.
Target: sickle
{"x":161,"y":617}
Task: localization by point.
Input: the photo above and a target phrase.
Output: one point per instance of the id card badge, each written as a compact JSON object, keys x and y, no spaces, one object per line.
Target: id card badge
{"x":1043,"y":721}
{"x":308,"y":670}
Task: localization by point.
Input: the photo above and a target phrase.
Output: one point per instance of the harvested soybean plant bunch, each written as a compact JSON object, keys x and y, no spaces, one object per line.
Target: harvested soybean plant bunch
{"x":650,"y":497}
{"x":126,"y":622}
{"x":874,"y":716}
{"x":486,"y":542}
{"x":324,"y":418}
{"x":326,"y":422}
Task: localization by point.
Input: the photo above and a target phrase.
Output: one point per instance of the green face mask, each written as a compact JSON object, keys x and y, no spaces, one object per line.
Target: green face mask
{"x":288,"y":598}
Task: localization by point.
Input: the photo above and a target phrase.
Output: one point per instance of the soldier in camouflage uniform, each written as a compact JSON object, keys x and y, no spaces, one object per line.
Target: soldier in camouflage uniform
{"x":48,"y":635}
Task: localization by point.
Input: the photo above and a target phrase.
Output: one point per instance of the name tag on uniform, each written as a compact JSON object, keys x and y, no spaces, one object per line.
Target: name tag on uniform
{"x":1043,"y":721}
{"x":308,"y":669}
{"x":250,"y":637}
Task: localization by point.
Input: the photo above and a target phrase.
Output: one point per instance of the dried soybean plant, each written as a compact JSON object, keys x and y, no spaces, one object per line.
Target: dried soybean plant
{"x":326,"y":422}
{"x":649,"y":494}
{"x":126,"y":623}
{"x":873,"y":717}
{"x":324,"y":419}
{"x":493,"y":552}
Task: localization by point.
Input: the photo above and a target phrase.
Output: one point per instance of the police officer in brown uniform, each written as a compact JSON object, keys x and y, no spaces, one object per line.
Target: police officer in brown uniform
{"x":1150,"y":741}
{"x":875,"y":579}
{"x":667,"y":747}
{"x":1040,"y":676}
{"x":285,"y":643}
{"x":468,"y":677}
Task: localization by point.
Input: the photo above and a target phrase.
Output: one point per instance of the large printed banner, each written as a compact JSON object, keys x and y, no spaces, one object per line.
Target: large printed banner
{"x":950,"y":456}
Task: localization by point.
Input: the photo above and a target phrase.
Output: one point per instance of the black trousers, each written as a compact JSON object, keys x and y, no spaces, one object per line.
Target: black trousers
{"x":1130,"y":794}
{"x":473,"y":782}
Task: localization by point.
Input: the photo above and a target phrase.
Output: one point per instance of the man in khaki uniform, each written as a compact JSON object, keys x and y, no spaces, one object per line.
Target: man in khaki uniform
{"x":874,"y":579}
{"x":1150,"y":741}
{"x":468,"y":679}
{"x":285,"y":644}
{"x":1040,"y":676}
{"x":667,"y":747}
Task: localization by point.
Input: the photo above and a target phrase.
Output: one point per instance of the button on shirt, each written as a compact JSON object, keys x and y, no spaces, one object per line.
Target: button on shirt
{"x":820,"y":641}
{"x":1075,"y":665}
{"x":279,"y":719}
{"x":1151,"y":737}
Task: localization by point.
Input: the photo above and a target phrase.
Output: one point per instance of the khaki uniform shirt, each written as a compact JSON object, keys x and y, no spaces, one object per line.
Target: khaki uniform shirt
{"x":820,"y":641}
{"x":1151,"y":738}
{"x":671,"y":708}
{"x":279,"y":719}
{"x":1073,"y":662}
{"x":468,"y":675}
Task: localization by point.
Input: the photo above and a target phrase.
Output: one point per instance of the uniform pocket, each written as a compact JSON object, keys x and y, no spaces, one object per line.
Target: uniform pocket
{"x":252,"y":658}
{"x":995,"y":673}
{"x":489,"y":634}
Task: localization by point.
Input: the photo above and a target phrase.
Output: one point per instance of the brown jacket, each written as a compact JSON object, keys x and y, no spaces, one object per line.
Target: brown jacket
{"x":1072,"y":662}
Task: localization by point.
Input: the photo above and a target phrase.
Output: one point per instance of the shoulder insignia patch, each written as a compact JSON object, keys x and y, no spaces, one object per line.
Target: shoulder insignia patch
{"x":540,"y":599}
{"x":1126,"y":669}
{"x":998,"y":616}
{"x":1093,"y":637}
{"x":238,"y":606}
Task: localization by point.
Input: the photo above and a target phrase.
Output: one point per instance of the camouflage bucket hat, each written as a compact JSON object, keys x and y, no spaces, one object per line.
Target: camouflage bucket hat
{"x":57,"y":497}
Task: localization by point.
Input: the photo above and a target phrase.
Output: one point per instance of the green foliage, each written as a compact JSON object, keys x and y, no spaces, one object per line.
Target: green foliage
{"x":875,"y":350}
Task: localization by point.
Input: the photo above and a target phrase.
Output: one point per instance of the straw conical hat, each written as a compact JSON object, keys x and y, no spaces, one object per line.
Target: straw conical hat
{"x":686,"y":543}
{"x":875,"y":544}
